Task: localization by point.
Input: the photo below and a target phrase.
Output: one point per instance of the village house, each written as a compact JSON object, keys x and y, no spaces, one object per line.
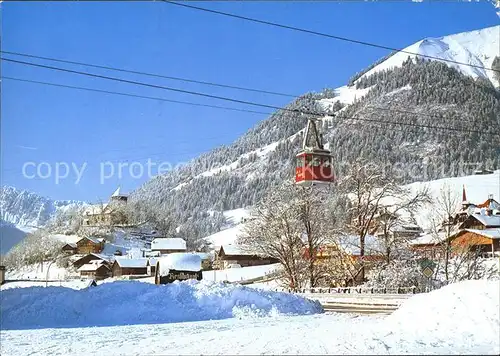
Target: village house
{"x":84,"y":245}
{"x":110,"y":213}
{"x":90,"y":245}
{"x":168,"y":245}
{"x":178,"y":267}
{"x":230,"y":255}
{"x":130,"y":266}
{"x":96,"y":269}
{"x":485,"y":241}
{"x":2,"y":274}
{"x":91,"y":257}
{"x":70,"y":248}
{"x":474,"y":226}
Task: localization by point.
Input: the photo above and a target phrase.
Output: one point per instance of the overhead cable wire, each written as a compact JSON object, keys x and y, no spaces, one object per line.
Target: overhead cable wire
{"x":312,"y":113}
{"x":149,"y":74}
{"x":322,"y":34}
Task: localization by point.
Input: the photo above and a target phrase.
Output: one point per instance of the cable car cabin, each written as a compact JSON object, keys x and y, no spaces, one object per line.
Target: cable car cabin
{"x":314,"y":167}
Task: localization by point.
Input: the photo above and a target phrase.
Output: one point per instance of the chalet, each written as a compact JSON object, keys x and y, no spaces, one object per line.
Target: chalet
{"x":96,"y":269}
{"x":91,"y":257}
{"x":70,"y":248}
{"x":483,"y":219}
{"x":90,"y":245}
{"x":110,"y":213}
{"x":168,"y":245}
{"x":486,"y":241}
{"x":2,"y":274}
{"x":233,"y":255}
{"x":178,"y":266}
{"x":489,"y":207}
{"x":129,"y":266}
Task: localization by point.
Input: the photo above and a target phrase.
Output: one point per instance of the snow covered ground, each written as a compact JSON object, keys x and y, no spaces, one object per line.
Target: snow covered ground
{"x":459,"y":319}
{"x":240,"y":274}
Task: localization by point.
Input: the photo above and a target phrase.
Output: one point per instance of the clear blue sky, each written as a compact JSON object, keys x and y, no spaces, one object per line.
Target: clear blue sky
{"x":47,"y":124}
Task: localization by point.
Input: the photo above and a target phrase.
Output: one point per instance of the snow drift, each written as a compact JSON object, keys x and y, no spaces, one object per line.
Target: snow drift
{"x":132,"y":302}
{"x":466,"y":311}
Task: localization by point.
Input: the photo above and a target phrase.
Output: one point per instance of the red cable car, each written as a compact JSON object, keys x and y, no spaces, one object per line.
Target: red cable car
{"x":314,"y":164}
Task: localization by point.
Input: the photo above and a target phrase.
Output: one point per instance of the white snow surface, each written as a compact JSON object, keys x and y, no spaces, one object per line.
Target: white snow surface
{"x":345,"y":95}
{"x":240,"y":274}
{"x":470,"y":310}
{"x":168,"y":243}
{"x":477,"y":48}
{"x":225,"y":237}
{"x":458,"y":319}
{"x":180,"y":262}
{"x":127,"y":303}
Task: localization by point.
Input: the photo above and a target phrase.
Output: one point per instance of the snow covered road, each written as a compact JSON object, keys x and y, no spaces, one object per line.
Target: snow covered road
{"x":313,"y":334}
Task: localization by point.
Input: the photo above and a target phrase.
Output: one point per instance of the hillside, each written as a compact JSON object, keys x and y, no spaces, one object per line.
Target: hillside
{"x":396,"y":89}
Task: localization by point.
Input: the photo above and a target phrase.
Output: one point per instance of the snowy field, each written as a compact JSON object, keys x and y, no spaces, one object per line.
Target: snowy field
{"x":459,"y":319}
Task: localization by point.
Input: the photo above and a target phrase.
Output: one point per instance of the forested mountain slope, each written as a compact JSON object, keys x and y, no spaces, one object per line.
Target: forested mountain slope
{"x":414,"y":92}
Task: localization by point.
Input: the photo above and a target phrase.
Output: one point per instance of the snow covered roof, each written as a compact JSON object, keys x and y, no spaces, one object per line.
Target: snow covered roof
{"x":95,"y":240}
{"x":235,"y":250}
{"x":169,"y":243}
{"x":429,"y":239}
{"x":488,"y":220}
{"x":71,"y":244}
{"x":179,"y":261}
{"x":92,"y":266}
{"x":490,"y":233}
{"x":132,"y":262}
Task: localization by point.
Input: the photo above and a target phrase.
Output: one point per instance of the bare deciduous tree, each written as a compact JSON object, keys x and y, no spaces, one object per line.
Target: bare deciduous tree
{"x":369,"y":188}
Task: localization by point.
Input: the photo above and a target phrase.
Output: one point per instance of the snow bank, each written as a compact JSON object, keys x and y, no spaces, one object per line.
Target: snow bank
{"x":126,"y":303}
{"x":180,"y":262}
{"x":465,"y":311}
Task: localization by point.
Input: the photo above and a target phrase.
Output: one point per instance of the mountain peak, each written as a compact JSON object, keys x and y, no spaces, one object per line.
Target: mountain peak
{"x":477,"y":48}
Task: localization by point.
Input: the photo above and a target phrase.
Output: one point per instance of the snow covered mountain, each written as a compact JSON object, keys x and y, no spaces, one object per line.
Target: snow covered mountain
{"x":394,"y":89}
{"x":477,"y":48}
{"x":20,"y":207}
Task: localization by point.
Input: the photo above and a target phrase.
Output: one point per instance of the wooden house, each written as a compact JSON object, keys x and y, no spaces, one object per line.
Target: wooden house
{"x":129,"y":266}
{"x":90,"y":245}
{"x":486,"y":241}
{"x":2,"y":274}
{"x":178,"y":267}
{"x":233,"y":255}
{"x":96,"y":269}
{"x":70,"y":248}
{"x":90,"y":257}
{"x":484,"y":219}
{"x":168,"y":245}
